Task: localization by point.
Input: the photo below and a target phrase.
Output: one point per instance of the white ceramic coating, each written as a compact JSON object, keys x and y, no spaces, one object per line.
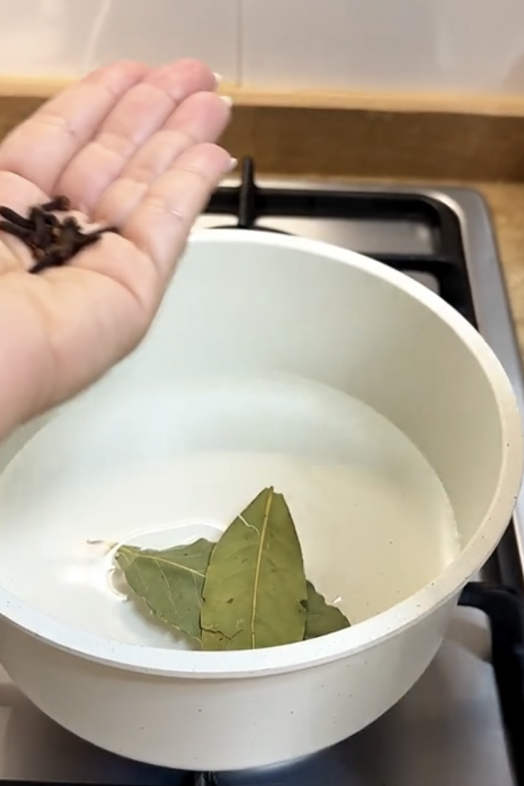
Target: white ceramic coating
{"x":264,"y":307}
{"x":374,"y":521}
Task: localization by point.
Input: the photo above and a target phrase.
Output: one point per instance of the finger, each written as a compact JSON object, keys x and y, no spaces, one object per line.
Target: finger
{"x":18,"y":193}
{"x":141,"y":112}
{"x":160,"y":224}
{"x":42,"y":146}
{"x":158,"y":228}
{"x":201,"y":118}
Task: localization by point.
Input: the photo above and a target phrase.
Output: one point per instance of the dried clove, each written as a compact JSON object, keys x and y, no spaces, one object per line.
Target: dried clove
{"x":14,"y":218}
{"x":57,"y":205}
{"x":52,"y":241}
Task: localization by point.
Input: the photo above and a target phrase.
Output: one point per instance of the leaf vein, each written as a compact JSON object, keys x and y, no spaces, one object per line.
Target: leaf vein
{"x":170,"y":563}
{"x":262,"y":537}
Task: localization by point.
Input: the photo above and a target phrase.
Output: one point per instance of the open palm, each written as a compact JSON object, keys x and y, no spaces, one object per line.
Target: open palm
{"x":131,"y":147}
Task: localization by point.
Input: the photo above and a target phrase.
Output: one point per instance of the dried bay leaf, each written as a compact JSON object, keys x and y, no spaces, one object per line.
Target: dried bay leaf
{"x":255,"y":591}
{"x":169,"y":581}
{"x":264,"y":551}
{"x":321,"y":617}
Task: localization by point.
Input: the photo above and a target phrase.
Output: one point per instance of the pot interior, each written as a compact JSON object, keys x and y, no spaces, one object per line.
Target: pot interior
{"x":268,"y":364}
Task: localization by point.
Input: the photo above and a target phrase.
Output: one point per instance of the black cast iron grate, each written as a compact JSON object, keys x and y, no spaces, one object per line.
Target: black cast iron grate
{"x":249,"y":203}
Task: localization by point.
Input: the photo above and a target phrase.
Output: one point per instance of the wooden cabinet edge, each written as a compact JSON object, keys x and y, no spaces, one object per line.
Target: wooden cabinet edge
{"x":410,"y":103}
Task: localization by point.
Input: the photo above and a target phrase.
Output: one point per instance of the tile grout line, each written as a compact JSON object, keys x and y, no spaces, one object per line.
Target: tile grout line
{"x":239,"y":42}
{"x":96,"y":32}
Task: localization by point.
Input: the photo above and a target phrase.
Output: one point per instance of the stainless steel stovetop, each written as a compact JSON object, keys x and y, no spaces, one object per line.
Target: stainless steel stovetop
{"x":449,"y":730}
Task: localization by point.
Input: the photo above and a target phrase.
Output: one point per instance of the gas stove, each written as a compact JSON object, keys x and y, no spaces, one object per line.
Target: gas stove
{"x":460,"y":724}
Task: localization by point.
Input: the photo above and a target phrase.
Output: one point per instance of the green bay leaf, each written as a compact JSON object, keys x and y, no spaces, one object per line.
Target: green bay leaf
{"x":321,"y":617}
{"x":255,"y":592}
{"x":169,"y":581}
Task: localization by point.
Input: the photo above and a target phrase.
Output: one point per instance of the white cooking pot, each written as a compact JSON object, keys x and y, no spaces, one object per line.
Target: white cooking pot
{"x":384,"y":418}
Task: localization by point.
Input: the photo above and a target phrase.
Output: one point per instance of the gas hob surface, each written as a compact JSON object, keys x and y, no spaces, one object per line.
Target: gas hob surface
{"x":459,"y":724}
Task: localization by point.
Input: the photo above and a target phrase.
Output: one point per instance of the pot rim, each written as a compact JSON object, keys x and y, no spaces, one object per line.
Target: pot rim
{"x":370,"y":632}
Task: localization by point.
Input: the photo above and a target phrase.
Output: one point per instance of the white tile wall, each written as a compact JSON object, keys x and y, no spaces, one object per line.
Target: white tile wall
{"x":44,"y":36}
{"x":160,"y":30}
{"x":460,"y":45}
{"x":471,"y":45}
{"x":68,"y":37}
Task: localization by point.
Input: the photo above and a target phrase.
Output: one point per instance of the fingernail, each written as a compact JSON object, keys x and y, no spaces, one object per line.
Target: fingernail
{"x":227,"y":100}
{"x":232,"y":164}
{"x":218,"y":78}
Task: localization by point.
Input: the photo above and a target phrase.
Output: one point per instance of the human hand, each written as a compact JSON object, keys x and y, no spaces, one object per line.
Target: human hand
{"x":132,"y":147}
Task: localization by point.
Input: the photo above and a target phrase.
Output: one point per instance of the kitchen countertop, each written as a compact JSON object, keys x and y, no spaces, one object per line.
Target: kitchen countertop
{"x":506,"y":202}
